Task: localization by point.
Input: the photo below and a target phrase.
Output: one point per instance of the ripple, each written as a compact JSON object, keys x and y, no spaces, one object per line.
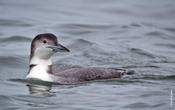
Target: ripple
{"x":88,"y":26}
{"x":118,"y":81}
{"x":138,"y":105}
{"x":171,"y":77}
{"x":79,"y":29}
{"x":142,"y":52}
{"x":8,"y":22}
{"x":40,"y":82}
{"x":7,"y":102}
{"x":12,"y":61}
{"x":158,"y":34}
{"x":154,"y":77}
{"x":15,"y":39}
{"x":80,"y":44}
{"x":154,"y":33}
{"x":147,"y":66}
{"x":169,"y":29}
{"x":45,"y":83}
{"x":165,"y":45}
{"x":137,"y":25}
{"x":118,"y":10}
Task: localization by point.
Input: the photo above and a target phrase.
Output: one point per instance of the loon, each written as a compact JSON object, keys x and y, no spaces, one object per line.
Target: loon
{"x":43,"y":46}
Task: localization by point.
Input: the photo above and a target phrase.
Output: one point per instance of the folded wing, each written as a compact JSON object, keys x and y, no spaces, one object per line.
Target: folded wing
{"x":80,"y":74}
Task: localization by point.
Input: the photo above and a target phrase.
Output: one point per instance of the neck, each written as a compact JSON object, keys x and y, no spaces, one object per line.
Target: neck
{"x":40,"y":69}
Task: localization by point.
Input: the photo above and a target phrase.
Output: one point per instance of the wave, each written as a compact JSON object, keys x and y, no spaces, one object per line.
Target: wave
{"x":15,"y":39}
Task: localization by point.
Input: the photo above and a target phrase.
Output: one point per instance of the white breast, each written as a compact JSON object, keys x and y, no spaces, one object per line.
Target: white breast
{"x":39,"y":72}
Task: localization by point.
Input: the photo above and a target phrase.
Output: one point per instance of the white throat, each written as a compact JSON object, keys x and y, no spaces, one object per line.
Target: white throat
{"x":40,"y":61}
{"x":39,"y":70}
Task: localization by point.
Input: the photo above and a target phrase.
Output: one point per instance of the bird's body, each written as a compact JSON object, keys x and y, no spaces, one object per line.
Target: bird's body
{"x":81,"y":74}
{"x":44,"y":46}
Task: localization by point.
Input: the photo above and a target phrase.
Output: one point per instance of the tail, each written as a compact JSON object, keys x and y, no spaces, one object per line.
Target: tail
{"x":130,"y":72}
{"x":124,"y":72}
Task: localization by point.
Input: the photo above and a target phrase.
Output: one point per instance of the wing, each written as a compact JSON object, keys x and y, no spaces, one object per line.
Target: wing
{"x":80,"y":74}
{"x":59,"y":69}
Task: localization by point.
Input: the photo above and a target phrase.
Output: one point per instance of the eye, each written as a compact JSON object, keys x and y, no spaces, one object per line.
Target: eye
{"x":44,"y":41}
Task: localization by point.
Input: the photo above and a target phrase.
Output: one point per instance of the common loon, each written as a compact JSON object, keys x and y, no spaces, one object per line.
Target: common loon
{"x":43,"y":46}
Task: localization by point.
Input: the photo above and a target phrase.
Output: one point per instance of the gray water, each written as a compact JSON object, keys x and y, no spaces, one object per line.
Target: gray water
{"x":131,"y":34}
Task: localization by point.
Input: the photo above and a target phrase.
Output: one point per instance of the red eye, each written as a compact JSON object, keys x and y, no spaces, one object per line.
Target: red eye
{"x":44,"y":41}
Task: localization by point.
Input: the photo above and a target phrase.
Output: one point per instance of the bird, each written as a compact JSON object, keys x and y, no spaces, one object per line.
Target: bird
{"x":44,"y":46}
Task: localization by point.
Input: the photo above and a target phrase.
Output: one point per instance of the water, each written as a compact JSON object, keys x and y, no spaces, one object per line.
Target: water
{"x":132,"y":34}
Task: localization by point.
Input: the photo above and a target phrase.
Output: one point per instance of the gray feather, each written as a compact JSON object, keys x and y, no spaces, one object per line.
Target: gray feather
{"x":80,"y":74}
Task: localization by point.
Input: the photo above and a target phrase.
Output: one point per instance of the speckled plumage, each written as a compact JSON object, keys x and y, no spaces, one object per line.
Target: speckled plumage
{"x":81,"y":74}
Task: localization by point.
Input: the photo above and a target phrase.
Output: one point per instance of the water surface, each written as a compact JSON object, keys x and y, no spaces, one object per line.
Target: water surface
{"x":132,"y":34}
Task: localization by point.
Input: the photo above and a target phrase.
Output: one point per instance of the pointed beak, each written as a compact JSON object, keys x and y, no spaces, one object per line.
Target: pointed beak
{"x":59,"y":48}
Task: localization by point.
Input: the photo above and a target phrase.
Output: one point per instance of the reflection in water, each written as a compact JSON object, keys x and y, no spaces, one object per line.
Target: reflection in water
{"x":40,"y":90}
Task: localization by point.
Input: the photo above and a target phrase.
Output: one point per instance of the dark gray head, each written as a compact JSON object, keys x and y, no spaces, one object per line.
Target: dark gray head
{"x":45,"y":45}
